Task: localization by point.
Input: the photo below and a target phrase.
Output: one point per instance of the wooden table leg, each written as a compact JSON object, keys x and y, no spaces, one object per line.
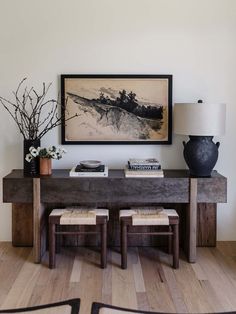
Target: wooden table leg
{"x":36,"y":220}
{"x":206,"y":224}
{"x":22,"y":224}
{"x":192,"y":222}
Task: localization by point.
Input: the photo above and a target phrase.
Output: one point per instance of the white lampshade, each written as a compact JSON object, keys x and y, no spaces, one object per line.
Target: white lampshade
{"x":200,"y":119}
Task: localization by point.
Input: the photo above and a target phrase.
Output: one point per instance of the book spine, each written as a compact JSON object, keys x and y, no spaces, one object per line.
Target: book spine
{"x":89,"y":174}
{"x":150,"y":161}
{"x":129,"y":172}
{"x":153,"y":175}
{"x":144,"y":167}
{"x":143,"y":164}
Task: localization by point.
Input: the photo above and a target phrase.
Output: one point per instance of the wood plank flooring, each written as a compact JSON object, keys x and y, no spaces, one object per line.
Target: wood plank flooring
{"x":149,"y":283}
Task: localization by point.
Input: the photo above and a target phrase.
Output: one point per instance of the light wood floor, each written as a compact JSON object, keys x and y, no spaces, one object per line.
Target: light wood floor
{"x":149,"y":283}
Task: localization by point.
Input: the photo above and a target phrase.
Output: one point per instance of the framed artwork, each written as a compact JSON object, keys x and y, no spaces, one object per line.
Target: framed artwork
{"x":117,"y":109}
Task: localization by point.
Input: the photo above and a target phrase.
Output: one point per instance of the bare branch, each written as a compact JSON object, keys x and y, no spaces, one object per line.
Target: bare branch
{"x":34,"y":115}
{"x":56,"y":123}
{"x":13,"y":116}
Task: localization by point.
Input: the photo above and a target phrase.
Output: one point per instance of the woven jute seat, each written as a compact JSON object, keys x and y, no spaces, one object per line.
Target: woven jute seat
{"x":77,"y":216}
{"x":150,"y":216}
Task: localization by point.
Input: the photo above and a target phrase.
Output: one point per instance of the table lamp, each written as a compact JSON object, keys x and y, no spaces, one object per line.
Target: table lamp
{"x":200,"y":121}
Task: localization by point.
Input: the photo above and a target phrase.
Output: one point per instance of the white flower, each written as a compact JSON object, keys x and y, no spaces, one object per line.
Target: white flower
{"x":50,"y":152}
{"x":31,"y":148}
{"x":28,"y":157}
{"x":59,"y":155}
{"x":53,"y":155}
{"x":33,"y":151}
{"x":64,"y":150}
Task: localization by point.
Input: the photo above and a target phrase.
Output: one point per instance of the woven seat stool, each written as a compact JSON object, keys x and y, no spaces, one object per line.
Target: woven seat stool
{"x":77,"y":217}
{"x":149,"y":217}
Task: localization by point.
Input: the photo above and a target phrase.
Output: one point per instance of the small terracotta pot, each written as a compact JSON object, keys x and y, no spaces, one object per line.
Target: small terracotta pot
{"x":45,"y":166}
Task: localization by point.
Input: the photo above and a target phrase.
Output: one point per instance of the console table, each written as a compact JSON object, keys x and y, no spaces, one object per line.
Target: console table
{"x":195,"y":197}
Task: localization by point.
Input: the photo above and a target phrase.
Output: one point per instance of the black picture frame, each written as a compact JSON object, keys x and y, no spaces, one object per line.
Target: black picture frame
{"x":137,"y":106}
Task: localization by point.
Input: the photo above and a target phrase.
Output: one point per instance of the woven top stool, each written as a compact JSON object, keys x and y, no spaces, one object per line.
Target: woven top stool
{"x":150,"y":216}
{"x":75,"y":217}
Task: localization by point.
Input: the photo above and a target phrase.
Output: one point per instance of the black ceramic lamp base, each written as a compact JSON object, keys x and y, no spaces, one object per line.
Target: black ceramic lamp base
{"x":201,"y":154}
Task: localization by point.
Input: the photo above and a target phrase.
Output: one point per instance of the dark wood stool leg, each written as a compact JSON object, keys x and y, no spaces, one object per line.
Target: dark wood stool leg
{"x":176,"y":246}
{"x":104,"y":244}
{"x":58,"y":239}
{"x":123,"y":243}
{"x":52,"y":257}
{"x":170,"y":241}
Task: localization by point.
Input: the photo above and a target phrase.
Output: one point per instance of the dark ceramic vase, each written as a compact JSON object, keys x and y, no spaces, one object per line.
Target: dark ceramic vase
{"x":201,"y":154}
{"x":31,"y":169}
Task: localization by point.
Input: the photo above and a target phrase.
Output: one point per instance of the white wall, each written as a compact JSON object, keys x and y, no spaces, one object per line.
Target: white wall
{"x":194,"y":40}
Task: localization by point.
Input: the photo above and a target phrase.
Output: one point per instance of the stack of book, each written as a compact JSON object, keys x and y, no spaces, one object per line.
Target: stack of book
{"x":80,"y":171}
{"x":149,"y":167}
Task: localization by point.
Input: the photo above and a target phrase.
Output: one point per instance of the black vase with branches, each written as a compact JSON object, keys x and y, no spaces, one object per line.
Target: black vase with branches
{"x":31,"y":169}
{"x":35,"y":116}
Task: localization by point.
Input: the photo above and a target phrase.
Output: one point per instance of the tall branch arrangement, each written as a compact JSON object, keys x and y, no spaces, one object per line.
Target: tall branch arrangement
{"x":33,"y":114}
